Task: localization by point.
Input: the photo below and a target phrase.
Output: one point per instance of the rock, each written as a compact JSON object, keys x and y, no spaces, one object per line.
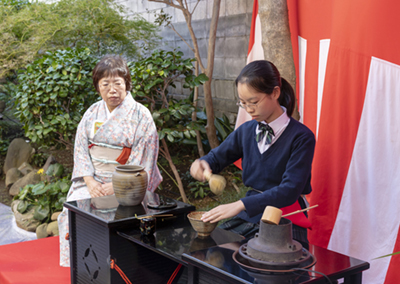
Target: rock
{"x":25,"y":221}
{"x":50,"y":160}
{"x":52,"y":229}
{"x":31,"y":178}
{"x":55,"y":216}
{"x":25,"y":168}
{"x":41,"y":231}
{"x":18,"y":152}
{"x":12,"y":176}
{"x":14,"y":205}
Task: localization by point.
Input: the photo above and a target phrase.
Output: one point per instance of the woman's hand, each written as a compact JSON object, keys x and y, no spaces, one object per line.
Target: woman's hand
{"x":197,"y":169}
{"x":95,"y":188}
{"x":223,"y":212}
{"x":108,"y":188}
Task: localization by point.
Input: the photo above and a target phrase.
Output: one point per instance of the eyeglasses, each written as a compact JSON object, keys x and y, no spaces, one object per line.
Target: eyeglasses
{"x":107,"y":86}
{"x":251,"y":106}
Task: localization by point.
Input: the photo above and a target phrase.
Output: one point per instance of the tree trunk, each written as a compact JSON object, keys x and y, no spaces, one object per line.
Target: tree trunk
{"x":210,"y":128}
{"x":194,"y":116}
{"x":276,"y":40}
{"x":183,"y":6}
{"x":174,"y":170}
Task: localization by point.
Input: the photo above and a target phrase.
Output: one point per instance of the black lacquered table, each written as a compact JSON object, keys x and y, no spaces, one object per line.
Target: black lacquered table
{"x":218,"y":262}
{"x":94,"y":239}
{"x":102,"y":230}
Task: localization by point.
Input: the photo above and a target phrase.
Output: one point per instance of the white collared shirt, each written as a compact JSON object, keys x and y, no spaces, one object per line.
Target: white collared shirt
{"x":278,"y":126}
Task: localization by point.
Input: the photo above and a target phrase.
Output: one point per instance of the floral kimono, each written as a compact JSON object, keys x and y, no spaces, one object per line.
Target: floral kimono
{"x":100,"y":138}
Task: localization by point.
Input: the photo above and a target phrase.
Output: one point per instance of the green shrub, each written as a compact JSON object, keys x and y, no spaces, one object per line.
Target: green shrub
{"x":7,"y":90}
{"x":199,"y":189}
{"x":39,"y":158}
{"x":46,"y":197}
{"x":53,"y":94}
{"x":222,"y":124}
{"x":151,"y":79}
{"x":14,"y":4}
{"x":29,"y":29}
{"x":4,"y":147}
{"x":9,"y":127}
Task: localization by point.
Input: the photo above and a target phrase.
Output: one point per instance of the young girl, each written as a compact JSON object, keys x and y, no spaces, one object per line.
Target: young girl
{"x":276,"y":152}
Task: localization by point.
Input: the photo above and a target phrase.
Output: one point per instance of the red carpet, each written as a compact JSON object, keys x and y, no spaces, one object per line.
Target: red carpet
{"x":32,"y":262}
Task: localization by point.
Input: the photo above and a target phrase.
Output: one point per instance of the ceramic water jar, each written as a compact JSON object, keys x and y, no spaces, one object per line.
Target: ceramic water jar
{"x":130,"y":184}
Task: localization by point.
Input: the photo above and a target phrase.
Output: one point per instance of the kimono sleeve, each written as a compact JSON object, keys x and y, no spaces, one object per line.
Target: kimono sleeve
{"x":82,"y":163}
{"x":145,"y":151}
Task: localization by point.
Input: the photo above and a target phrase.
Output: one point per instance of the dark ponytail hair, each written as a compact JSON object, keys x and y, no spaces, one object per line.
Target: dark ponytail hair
{"x":263,"y":77}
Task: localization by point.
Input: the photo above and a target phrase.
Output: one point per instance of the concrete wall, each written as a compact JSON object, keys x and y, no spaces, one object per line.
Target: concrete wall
{"x":230,"y":49}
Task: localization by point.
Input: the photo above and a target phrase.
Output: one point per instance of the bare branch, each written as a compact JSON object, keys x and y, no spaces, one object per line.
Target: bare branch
{"x":188,"y":18}
{"x":173,"y":28}
{"x":170,"y":3}
{"x":195,"y":7}
{"x":162,"y":152}
{"x":212,"y":38}
{"x":183,"y":6}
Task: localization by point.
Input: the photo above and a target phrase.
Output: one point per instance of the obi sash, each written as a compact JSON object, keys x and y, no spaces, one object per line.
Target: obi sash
{"x":106,"y":157}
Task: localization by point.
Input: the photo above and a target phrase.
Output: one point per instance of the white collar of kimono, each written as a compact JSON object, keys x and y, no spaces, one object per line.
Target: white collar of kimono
{"x":108,"y":113}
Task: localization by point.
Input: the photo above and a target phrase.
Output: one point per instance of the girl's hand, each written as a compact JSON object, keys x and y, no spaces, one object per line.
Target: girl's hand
{"x":197,"y":169}
{"x":223,"y":211}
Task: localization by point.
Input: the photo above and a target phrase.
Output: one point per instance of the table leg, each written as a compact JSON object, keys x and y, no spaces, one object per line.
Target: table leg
{"x":353,"y":279}
{"x":191,"y":274}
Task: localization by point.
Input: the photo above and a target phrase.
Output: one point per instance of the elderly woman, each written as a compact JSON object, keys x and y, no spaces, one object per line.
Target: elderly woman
{"x":116,"y":130}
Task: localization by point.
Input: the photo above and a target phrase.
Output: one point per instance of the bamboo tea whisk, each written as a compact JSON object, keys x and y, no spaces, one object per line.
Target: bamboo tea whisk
{"x":217,"y":183}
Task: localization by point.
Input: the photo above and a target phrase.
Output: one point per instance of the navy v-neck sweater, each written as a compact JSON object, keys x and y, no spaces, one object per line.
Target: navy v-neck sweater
{"x":282,"y":173}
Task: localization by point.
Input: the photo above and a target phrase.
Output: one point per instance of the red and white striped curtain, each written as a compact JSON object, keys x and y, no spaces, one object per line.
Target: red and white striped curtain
{"x":347,"y":58}
{"x":348,"y":69}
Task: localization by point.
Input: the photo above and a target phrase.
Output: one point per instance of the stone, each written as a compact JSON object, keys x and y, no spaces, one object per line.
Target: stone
{"x":31,"y":178}
{"x":52,"y":229}
{"x":25,"y":168}
{"x":25,"y":221}
{"x":18,"y":152}
{"x":54,"y":216}
{"x":50,"y":160}
{"x":12,"y":176}
{"x":41,"y":231}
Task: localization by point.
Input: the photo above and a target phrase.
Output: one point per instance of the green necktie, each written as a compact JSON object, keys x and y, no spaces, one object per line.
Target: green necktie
{"x":265,"y":129}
